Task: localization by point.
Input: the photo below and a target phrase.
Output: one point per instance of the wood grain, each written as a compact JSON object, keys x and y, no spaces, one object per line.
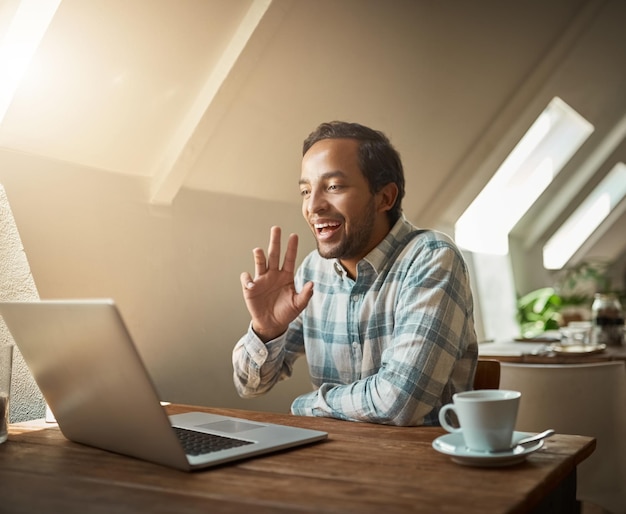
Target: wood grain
{"x":360,"y":468}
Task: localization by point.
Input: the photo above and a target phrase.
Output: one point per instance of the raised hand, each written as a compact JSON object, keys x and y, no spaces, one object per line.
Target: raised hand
{"x":271,"y":296}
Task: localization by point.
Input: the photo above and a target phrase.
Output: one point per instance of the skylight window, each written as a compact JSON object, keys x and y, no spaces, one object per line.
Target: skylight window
{"x":23,"y":35}
{"x":539,"y":156}
{"x":585,"y":219}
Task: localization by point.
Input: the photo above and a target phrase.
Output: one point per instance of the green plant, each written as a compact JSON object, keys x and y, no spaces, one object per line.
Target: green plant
{"x":548,"y":308}
{"x":539,"y":311}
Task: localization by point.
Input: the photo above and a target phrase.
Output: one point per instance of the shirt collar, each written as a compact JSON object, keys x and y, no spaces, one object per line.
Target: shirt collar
{"x":380,"y":255}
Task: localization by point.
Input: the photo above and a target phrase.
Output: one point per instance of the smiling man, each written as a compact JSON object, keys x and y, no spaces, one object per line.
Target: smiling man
{"x":382,"y":310}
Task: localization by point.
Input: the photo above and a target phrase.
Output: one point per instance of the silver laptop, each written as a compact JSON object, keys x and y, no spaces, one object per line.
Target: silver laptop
{"x":93,"y":379}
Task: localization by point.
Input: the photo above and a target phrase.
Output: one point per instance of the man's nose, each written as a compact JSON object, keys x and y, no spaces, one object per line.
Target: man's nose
{"x":316,"y":201}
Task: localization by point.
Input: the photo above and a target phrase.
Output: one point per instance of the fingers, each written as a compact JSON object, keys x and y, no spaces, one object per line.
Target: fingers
{"x":289,"y":263}
{"x":273,"y":252}
{"x":303,"y":297}
{"x":260,"y":266}
{"x":246,"y":280}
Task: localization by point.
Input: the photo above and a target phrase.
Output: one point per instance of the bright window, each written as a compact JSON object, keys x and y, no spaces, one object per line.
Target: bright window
{"x":17,"y":47}
{"x":585,"y":219}
{"x":539,"y":156}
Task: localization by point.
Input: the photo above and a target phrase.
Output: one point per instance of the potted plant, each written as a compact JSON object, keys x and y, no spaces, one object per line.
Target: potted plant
{"x":539,"y":312}
{"x":570,"y":299}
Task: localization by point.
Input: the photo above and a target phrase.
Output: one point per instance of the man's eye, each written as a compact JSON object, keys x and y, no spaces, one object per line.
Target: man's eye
{"x":304,"y":192}
{"x":334,"y":187}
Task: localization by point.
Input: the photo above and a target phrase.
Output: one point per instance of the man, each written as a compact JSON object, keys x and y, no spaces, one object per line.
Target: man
{"x":382,"y":310}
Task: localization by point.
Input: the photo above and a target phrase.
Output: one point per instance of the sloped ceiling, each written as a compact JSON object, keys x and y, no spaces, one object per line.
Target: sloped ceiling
{"x":217,"y":95}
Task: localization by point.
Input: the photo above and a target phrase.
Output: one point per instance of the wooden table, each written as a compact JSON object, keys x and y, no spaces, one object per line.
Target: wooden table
{"x":532,"y":353}
{"x":360,"y":468}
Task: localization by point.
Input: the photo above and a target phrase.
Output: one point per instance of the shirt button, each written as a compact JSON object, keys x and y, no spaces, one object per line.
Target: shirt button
{"x":355,"y":297}
{"x":355,"y":344}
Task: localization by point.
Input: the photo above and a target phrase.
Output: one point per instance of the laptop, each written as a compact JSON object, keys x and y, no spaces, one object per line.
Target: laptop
{"x":88,"y":369}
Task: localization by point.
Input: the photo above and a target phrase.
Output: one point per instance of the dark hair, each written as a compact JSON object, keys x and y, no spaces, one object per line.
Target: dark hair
{"x":379,"y":161}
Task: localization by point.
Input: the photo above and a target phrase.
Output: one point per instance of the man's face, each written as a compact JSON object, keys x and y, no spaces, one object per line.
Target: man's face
{"x":344,"y":216}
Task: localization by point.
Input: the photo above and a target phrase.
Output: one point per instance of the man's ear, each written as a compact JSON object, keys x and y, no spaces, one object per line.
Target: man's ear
{"x":387,"y":196}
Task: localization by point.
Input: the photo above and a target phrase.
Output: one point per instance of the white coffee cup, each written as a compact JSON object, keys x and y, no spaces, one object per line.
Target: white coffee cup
{"x":487,"y":418}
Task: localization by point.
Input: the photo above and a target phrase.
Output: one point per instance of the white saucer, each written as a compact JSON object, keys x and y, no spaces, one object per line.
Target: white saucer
{"x":577,"y":349}
{"x":453,"y":445}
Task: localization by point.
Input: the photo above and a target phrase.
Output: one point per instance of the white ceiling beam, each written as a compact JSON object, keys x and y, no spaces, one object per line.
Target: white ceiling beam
{"x":192,"y":135}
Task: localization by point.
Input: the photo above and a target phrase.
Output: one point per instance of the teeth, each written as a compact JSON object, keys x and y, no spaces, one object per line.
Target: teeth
{"x":325,"y":225}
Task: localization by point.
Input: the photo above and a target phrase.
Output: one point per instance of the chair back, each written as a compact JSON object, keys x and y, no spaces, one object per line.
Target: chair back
{"x":487,"y":374}
{"x":582,"y":399}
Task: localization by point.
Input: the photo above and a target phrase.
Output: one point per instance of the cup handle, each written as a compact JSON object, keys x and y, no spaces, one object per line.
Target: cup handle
{"x":444,"y":422}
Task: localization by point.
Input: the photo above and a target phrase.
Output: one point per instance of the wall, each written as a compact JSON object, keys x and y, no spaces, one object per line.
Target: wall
{"x":174,"y":271}
{"x":16,"y":283}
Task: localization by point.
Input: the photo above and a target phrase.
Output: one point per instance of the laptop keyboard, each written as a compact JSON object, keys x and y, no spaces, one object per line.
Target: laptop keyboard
{"x":199,"y":443}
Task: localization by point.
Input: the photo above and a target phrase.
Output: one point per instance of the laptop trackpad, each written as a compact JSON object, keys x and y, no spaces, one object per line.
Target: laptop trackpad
{"x":230,"y":426}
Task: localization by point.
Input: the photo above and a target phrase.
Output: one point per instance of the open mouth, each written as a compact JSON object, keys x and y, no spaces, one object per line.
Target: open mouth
{"x":327,"y":229}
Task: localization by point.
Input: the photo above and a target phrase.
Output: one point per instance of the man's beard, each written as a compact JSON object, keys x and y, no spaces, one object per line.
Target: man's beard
{"x":354,"y":243}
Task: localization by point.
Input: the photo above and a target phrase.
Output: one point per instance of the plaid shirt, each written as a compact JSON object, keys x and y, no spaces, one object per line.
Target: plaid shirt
{"x":390,"y":347}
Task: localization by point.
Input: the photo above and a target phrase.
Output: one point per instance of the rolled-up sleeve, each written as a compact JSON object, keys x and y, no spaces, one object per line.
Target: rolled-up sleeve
{"x":258,"y":366}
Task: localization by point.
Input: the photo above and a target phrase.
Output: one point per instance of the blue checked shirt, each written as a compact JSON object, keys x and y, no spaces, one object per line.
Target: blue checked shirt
{"x":390,"y":347}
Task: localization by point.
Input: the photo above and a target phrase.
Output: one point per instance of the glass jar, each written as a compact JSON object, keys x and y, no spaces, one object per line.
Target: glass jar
{"x":608,"y":320}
